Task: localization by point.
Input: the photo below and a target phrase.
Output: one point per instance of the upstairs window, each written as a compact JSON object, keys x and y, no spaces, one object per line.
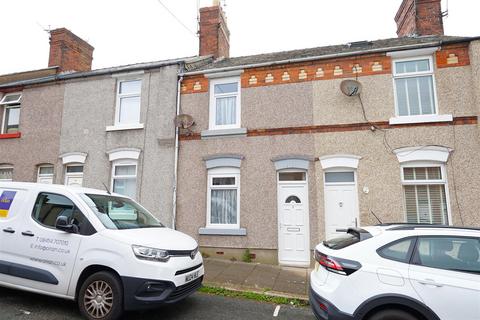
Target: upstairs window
{"x":10,"y":104}
{"x":414,"y":86}
{"x":425,"y":194}
{"x":128,"y":102}
{"x":225,"y":103}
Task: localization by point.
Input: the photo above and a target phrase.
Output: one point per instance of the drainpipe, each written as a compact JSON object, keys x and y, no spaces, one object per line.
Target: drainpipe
{"x":177,"y":146}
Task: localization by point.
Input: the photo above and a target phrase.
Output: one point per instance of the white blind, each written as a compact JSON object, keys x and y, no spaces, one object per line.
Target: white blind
{"x":425,"y":203}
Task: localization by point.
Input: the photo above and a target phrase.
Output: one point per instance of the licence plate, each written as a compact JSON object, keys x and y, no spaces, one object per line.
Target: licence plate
{"x":192,"y":276}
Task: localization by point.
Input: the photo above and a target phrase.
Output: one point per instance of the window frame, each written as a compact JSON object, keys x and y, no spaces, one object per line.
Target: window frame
{"x":431,"y":73}
{"x":119,"y":96}
{"x":339,"y":170}
{"x":49,"y":175}
{"x":443,"y":181}
{"x":10,"y":105}
{"x":222,"y":172}
{"x":7,"y":167}
{"x":123,"y":163}
{"x":18,"y":101}
{"x":213,"y":106}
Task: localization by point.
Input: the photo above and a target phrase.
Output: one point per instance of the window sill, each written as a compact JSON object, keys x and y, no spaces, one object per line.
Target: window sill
{"x":237,"y":132}
{"x":10,"y":135}
{"x":421,"y":119}
{"x":222,"y":231}
{"x":125,"y":127}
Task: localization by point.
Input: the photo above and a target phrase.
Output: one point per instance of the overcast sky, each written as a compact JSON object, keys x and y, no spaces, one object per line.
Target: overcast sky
{"x":131,"y":31}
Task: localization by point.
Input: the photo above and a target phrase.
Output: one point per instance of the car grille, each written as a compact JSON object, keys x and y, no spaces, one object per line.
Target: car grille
{"x":179,"y":272}
{"x":183,"y":253}
{"x":185,"y":290}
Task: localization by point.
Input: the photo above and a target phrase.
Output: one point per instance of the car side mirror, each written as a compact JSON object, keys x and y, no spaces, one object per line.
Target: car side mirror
{"x":62,"y":224}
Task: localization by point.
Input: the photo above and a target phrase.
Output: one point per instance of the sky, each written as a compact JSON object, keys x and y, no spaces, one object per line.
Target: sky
{"x":133,"y":31}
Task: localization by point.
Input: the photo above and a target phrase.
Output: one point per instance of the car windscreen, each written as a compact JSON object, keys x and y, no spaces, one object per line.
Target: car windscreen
{"x":118,"y":213}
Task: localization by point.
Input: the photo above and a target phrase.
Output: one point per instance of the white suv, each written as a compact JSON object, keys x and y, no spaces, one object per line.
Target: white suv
{"x":398,"y":272}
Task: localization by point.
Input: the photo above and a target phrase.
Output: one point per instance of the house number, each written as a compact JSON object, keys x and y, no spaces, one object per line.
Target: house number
{"x":340,"y":204}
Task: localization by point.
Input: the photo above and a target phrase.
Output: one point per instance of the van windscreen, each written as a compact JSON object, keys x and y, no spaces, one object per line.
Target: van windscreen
{"x":119,"y":213}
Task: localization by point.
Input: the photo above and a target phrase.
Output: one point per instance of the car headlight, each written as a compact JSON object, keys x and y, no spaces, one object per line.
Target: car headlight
{"x":152,"y":254}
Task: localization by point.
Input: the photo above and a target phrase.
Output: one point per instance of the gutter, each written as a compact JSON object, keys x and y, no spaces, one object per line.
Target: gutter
{"x":177,"y":147}
{"x":99,"y":72}
{"x":333,"y":55}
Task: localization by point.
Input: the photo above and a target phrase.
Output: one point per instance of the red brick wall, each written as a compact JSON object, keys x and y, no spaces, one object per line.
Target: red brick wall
{"x":420,"y":17}
{"x":214,"y":34}
{"x":69,"y":52}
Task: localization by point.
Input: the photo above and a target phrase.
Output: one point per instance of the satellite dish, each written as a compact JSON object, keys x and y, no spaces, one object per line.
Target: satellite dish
{"x":350,"y":87}
{"x":184,"y":121}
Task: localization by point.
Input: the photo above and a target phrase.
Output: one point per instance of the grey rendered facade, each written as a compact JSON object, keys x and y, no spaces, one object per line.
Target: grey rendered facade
{"x":90,"y":108}
{"x":68,"y":120}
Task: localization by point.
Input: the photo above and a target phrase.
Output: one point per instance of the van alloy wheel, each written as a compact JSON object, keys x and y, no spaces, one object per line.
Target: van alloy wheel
{"x":101,"y":296}
{"x":98,"y":299}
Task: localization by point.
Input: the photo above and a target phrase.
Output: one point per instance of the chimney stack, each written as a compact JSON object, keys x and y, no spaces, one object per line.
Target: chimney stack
{"x":69,"y":52}
{"x":214,"y":34}
{"x":419,"y":18}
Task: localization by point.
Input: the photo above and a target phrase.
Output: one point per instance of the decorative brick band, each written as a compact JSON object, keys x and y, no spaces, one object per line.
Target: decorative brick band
{"x":454,"y":55}
{"x":467,"y":120}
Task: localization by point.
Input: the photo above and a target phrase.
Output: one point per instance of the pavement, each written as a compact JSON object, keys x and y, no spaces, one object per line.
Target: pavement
{"x":275,"y":280}
{"x":20,"y":305}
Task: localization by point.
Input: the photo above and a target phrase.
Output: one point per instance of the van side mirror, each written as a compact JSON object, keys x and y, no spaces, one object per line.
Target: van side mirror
{"x":62,"y":224}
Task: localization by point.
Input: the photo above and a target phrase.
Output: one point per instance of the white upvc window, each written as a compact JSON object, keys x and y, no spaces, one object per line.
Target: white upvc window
{"x":124,"y":177}
{"x":223,"y":198}
{"x":225,"y":109}
{"x":414,"y":86}
{"x":128,"y":102}
{"x":45,"y":174}
{"x":11,"y":112}
{"x":425,"y":193}
{"x":6,"y":173}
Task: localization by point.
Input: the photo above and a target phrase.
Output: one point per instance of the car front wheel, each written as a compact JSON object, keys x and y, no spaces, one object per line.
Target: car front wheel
{"x":393,"y":315}
{"x":100,"y":297}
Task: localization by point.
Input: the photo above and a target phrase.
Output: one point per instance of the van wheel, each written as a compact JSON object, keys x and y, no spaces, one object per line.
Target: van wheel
{"x":100,"y":297}
{"x":392,"y":315}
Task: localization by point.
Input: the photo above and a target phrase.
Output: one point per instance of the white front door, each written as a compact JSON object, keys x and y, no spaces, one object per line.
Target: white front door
{"x":293,"y":229}
{"x":74,"y":175}
{"x":341,"y":206}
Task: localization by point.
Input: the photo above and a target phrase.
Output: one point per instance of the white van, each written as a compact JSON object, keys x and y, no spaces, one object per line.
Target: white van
{"x":103,"y":250}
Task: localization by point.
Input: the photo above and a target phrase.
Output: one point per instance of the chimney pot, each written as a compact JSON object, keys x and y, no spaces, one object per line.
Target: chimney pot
{"x":69,"y":52}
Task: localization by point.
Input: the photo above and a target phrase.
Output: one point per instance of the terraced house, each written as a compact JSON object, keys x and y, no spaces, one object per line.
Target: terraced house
{"x":281,"y":158}
{"x":106,"y":128}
